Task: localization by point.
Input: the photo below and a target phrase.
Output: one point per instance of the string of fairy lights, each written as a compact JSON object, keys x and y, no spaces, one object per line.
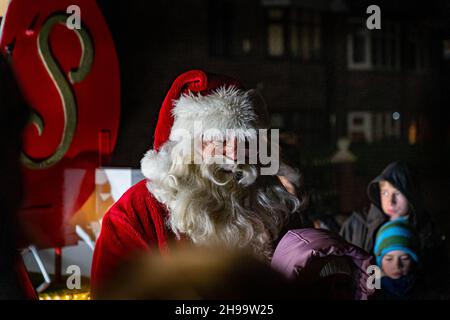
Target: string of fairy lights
{"x":65,"y":296}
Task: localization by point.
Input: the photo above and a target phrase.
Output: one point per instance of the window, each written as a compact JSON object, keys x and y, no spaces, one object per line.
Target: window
{"x":294,"y":33}
{"x":275,"y":33}
{"x":373,"y":49}
{"x":358,"y":47}
{"x":373,"y":126}
{"x":385,"y":46}
{"x":305,"y":35}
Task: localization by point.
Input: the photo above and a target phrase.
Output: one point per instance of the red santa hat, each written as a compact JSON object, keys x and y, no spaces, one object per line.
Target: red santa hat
{"x":218,"y":103}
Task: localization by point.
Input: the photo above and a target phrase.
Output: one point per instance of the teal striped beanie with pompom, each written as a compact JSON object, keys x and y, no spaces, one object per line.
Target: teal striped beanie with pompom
{"x":396,"y":235}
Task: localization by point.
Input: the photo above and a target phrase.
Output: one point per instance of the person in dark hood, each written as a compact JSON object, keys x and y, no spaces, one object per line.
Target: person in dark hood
{"x":14,"y":112}
{"x":395,"y":194}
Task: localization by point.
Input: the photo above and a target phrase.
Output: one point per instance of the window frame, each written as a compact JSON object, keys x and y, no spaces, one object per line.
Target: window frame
{"x":293,"y":19}
{"x":386,"y":40}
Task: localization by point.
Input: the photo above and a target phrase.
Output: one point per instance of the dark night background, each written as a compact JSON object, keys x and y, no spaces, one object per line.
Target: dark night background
{"x":320,"y":70}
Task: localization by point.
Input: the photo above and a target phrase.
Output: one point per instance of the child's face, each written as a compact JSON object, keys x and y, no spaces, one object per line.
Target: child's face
{"x":393,"y":202}
{"x":396,"y":264}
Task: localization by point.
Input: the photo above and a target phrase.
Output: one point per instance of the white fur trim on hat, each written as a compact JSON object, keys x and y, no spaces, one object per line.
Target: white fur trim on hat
{"x":213,"y":114}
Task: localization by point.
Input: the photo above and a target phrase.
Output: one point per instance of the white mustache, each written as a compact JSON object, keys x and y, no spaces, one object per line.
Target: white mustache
{"x":245,"y":173}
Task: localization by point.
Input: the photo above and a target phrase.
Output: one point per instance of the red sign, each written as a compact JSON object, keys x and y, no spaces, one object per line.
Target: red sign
{"x":69,"y":74}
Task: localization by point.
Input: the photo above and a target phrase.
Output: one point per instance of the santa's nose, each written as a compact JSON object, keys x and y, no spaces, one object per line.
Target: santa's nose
{"x":230,"y":149}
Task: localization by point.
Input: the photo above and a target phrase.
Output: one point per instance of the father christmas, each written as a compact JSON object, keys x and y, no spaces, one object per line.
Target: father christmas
{"x":209,"y":203}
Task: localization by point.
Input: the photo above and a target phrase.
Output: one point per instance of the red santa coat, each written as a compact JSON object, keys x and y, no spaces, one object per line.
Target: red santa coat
{"x":135,"y":223}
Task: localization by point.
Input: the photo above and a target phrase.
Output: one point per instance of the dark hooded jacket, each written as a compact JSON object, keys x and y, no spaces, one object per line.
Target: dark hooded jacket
{"x":14,"y":280}
{"x":361,"y":228}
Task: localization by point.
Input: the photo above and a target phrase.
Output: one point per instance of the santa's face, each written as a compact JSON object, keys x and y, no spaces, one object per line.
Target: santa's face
{"x":225,"y":152}
{"x":224,"y":204}
{"x":213,"y":149}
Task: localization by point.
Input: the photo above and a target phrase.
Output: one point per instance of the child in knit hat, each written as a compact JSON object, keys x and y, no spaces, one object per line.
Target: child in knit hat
{"x":396,"y":194}
{"x":396,"y":253}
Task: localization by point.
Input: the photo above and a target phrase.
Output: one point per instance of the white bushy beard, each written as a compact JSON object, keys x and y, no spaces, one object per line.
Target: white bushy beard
{"x":227,"y":205}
